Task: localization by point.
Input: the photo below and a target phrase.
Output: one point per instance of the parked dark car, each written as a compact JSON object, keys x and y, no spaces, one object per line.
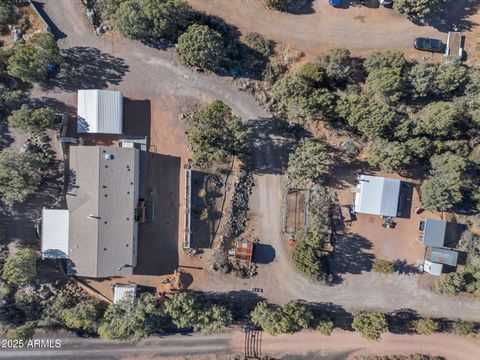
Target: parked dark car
{"x":53,"y":69}
{"x":427,"y":44}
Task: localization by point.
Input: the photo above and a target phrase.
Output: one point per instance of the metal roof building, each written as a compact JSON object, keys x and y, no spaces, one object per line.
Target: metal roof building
{"x":55,"y":233}
{"x":121,"y":291}
{"x":100,"y":111}
{"x":434,"y":233}
{"x":444,"y":256}
{"x":102,"y":202}
{"x":377,"y":195}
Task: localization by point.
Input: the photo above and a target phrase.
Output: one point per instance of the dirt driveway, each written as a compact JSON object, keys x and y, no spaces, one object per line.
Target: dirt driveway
{"x":320,"y":26}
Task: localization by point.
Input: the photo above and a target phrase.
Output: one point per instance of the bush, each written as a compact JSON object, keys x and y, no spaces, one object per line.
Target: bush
{"x":8,"y":12}
{"x":20,"y":175}
{"x":131,"y":320}
{"x":463,"y":328}
{"x":84,"y":316}
{"x":440,"y":193}
{"x":30,"y":61}
{"x":309,"y":255}
{"x":168,"y":18}
{"x":387,"y":59}
{"x":371,"y":325}
{"x":258,"y":43}
{"x":325,"y":327}
{"x":274,"y":71}
{"x":383,"y":267}
{"x":451,"y":284}
{"x":416,"y":8}
{"x":21,"y":267}
{"x":32,"y":121}
{"x":336,"y":63}
{"x":308,"y":164}
{"x":189,"y":312}
{"x":23,"y":332}
{"x":215,"y":134}
{"x":202,"y":47}
{"x":425,"y":326}
{"x":385,"y":84}
{"x":131,"y":21}
{"x":285,"y":319}
{"x":311,"y":73}
{"x":280,"y":5}
{"x":389,"y":156}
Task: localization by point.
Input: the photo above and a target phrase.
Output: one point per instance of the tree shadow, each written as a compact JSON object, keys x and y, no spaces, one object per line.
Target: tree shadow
{"x":53,"y":27}
{"x":268,"y":141}
{"x":301,"y":7}
{"x":89,"y":68}
{"x":452,"y":13}
{"x":403,"y":267}
{"x":263,"y":254}
{"x":349,"y":256}
{"x":340,"y":317}
{"x":399,"y":321}
{"x":55,"y":104}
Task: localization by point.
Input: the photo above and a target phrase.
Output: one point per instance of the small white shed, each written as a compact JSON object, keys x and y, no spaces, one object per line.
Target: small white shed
{"x":55,"y":224}
{"x":100,"y":111}
{"x":120,"y":291}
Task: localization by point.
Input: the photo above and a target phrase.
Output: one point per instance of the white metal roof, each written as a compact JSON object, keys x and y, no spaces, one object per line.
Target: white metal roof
{"x":377,"y":195}
{"x":120,"y":291}
{"x":54,"y":233}
{"x":100,"y":111}
{"x":432,"y":268}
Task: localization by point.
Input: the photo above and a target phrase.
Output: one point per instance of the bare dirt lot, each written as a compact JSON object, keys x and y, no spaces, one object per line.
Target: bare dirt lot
{"x":319,"y":26}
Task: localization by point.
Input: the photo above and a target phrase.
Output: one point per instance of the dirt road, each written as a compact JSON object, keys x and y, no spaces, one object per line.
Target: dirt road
{"x":322,"y":26}
{"x":144,"y":72}
{"x":342,"y":345}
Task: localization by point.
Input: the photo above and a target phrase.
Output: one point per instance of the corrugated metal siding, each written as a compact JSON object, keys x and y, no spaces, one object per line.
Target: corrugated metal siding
{"x":55,"y":233}
{"x":100,"y":111}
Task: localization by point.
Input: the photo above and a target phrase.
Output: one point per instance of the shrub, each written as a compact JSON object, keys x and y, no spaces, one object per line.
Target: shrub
{"x":308,"y":163}
{"x":30,"y":61}
{"x":336,"y":63}
{"x":325,"y":327}
{"x":462,"y":328}
{"x":258,"y":43}
{"x":371,"y":325}
{"x":131,"y":21}
{"x":21,"y":267}
{"x":215,"y":134}
{"x":280,"y":5}
{"x":273,"y":71}
{"x":20,"y":175}
{"x":416,"y":8}
{"x":201,"y":46}
{"x":32,"y":121}
{"x":387,"y":59}
{"x":383,"y":267}
{"x":168,"y":18}
{"x":425,"y":326}
{"x":275,"y":320}
{"x":84,"y":316}
{"x":23,"y":332}
{"x":451,"y":284}
{"x":309,"y":255}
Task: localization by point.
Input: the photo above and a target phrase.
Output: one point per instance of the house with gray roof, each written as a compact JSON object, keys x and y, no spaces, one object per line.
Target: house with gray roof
{"x":102,"y":201}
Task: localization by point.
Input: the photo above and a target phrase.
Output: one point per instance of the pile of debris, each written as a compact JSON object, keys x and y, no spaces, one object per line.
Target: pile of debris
{"x":237,"y":216}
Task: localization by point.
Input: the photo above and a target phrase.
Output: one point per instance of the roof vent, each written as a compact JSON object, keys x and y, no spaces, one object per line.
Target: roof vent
{"x":109,"y":157}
